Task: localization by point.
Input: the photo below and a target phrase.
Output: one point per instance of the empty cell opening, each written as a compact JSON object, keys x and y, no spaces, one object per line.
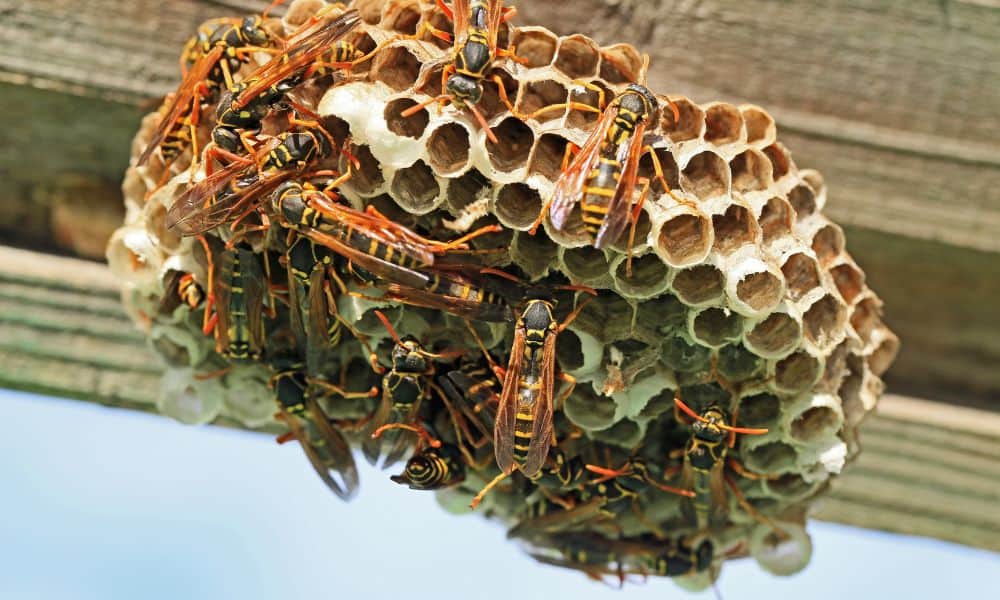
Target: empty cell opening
{"x":828,"y":243}
{"x":490,"y":104}
{"x":465,"y":190}
{"x":849,"y":280}
{"x":430,"y":83}
{"x":588,"y":410}
{"x":536,"y":47}
{"x":547,"y":156}
{"x":578,"y":118}
{"x":759,"y":410}
{"x":577,"y":57}
{"x":803,"y":200}
{"x":706,"y":175}
{"x":440,"y":22}
{"x":648,"y":271}
{"x":569,"y":350}
{"x":715,"y":327}
{"x":156,"y":223}
{"x":620,"y":63}
{"x":585,"y":263}
{"x":684,"y":238}
{"x":814,"y":179}
{"x":682,"y":356}
{"x":760,"y":125}
{"x":370,"y":11}
{"x":781,"y":162}
{"x":700,"y":284}
{"x":801,"y":274}
{"x":367,"y":178}
{"x":448,"y":147}
{"x":734,"y":229}
{"x":775,"y":334}
{"x":642,"y":228}
{"x":815,"y":422}
{"x":396,"y":67}
{"x":401,"y":17}
{"x":538,"y":94}
{"x":518,"y":205}
{"x":824,"y":320}
{"x":866,"y":318}
{"x":797,"y":371}
{"x":751,"y":171}
{"x":338,"y":129}
{"x":667,"y":164}
{"x":688,"y":126}
{"x":624,"y":434}
{"x":775,"y":219}
{"x":662,"y":313}
{"x":658,"y":404}
{"x":297,"y":14}
{"x":412,"y":126}
{"x":736,"y":363}
{"x":771,"y":458}
{"x":723,"y":124}
{"x":882,"y":357}
{"x":514,"y":142}
{"x":760,"y":290}
{"x":789,"y":486}
{"x":850,"y":396}
{"x":415,"y":188}
{"x":534,"y":251}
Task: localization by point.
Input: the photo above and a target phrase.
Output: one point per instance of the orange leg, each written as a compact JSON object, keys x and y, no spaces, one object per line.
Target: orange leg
{"x":489,"y":486}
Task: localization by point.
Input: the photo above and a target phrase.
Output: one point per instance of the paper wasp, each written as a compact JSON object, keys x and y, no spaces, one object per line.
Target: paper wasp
{"x":453,"y":293}
{"x":236,"y":284}
{"x":593,"y":554}
{"x":523,"y":431}
{"x":433,"y":468}
{"x":477,"y":25}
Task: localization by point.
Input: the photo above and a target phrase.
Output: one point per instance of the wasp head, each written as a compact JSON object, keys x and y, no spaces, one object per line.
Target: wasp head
{"x":643,"y":102}
{"x":253,"y":31}
{"x":464,"y":89}
{"x":409,"y":356}
{"x":711,"y":428}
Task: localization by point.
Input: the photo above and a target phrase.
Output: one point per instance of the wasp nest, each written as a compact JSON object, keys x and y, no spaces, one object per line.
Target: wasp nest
{"x":740,"y":294}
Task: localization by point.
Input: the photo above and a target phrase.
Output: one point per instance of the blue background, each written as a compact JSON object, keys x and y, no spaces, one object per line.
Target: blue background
{"x":100,"y":503}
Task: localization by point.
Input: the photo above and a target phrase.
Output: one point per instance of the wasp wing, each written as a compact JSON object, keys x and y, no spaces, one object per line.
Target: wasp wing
{"x":376,"y":266}
{"x":253,"y":283}
{"x":620,"y":207}
{"x":494,"y":19}
{"x":570,"y":186}
{"x":460,"y":22}
{"x":338,"y":453}
{"x":541,"y":433}
{"x":503,"y":429}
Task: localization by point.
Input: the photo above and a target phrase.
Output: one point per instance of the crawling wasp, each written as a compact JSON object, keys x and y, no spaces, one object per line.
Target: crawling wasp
{"x":433,"y":468}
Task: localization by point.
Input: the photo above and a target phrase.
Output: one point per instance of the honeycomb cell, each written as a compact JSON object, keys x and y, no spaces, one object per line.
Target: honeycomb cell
{"x":569,"y":351}
{"x":866,"y":318}
{"x":537,"y":94}
{"x":469,"y":188}
{"x":514,"y":142}
{"x":579,"y":118}
{"x":620,"y":63}
{"x":699,"y":285}
{"x":781,"y":554}
{"x":820,"y":417}
{"x":397,"y":67}
{"x":577,"y":57}
{"x":702,"y":395}
{"x":648,"y":276}
{"x":759,"y":410}
{"x":754,"y":288}
{"x":797,"y":372}
{"x":133,"y":256}
{"x":734,"y":229}
{"x":367,"y":176}
{"x":768,"y":456}
{"x":801,"y":274}
{"x":662,"y":314}
{"x":623,"y":434}
{"x":682,"y":355}
{"x":735,"y":363}
{"x":775,"y":336}
{"x":535,"y":45}
{"x":667,"y":165}
{"x":588,"y":410}
{"x":690,"y":123}
{"x":751,"y":171}
{"x":684,"y":238}
{"x":803,"y":200}
{"x":761,"y":130}
{"x":828,"y":243}
{"x":659,"y":404}
{"x":401,"y":16}
{"x":547,"y":156}
{"x":634,"y":239}
{"x":533,"y":253}
{"x":884,"y":353}
{"x":824,"y":321}
{"x":585,"y":264}
{"x":412,"y":126}
{"x":416,"y":189}
{"x":517,"y":205}
{"x":849,"y":279}
{"x":491,"y":105}
{"x":723,"y":124}
{"x":776,"y":219}
{"x":781,"y":160}
{"x":790,"y":487}
{"x":706,"y":176}
{"x":370,"y":11}
{"x":714,"y":327}
{"x":448,"y":149}
{"x":155,"y":223}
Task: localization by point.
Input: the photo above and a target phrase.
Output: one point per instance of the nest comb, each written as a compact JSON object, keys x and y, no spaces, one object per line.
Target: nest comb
{"x":748,"y":281}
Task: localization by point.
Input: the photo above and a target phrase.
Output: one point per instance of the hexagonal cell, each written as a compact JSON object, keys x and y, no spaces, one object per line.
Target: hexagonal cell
{"x":770,"y":457}
{"x":803,"y":200}
{"x":751,"y":171}
{"x":681,"y":355}
{"x":849,"y":279}
{"x":668,"y":166}
{"x":702,"y":395}
{"x":578,"y":118}
{"x":734,"y":229}
{"x":537,"y":94}
{"x":535,"y":45}
{"x":776,"y":219}
{"x":588,"y":410}
{"x":781,"y":160}
{"x":577,"y":57}
{"x":885,"y":353}
{"x":757,"y":288}
{"x":299,"y":11}
{"x":797,"y":372}
{"x":401,"y":16}
{"x":517,"y":205}
{"x":835,"y":367}
{"x":706,"y":176}
{"x":515,"y":140}
{"x":438,"y":20}
{"x":735,"y":363}
{"x":683,"y":239}
{"x":448,"y":148}
{"x":634,"y":239}
{"x":698,"y":285}
{"x":790,"y":488}
{"x":658,"y":404}
{"x":663,"y":313}
{"x":648,"y":276}
{"x":688,"y":126}
{"x":828,"y":243}
{"x":412,"y":126}
{"x":416,"y":189}
{"x":533,"y":253}
{"x":716,"y":326}
{"x":490,"y":104}
{"x":866,"y":318}
{"x":430,"y":82}
{"x":623,"y":434}
{"x":824,"y":321}
{"x":367,"y":177}
{"x":775,"y":336}
{"x":397,"y":67}
{"x":584,"y":264}
{"x":547,"y":156}
{"x":723,"y":124}
{"x":801,"y":274}
{"x":155,"y":223}
{"x":463,"y":191}
{"x":569,"y":350}
{"x":760,"y":125}
{"x":759,"y":410}
{"x":816,"y":423}
{"x":369,"y":10}
{"x":620,"y":63}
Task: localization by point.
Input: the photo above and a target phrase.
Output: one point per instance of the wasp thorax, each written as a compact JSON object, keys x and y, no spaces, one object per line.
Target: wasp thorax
{"x":710,"y":428}
{"x":408,"y":357}
{"x":289,"y":202}
{"x":464,"y":89}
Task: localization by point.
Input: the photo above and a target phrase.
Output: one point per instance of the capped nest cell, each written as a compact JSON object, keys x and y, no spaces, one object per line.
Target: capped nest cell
{"x":737,"y":293}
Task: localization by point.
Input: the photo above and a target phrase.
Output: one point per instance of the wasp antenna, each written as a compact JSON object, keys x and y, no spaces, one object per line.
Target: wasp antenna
{"x":417,"y":107}
{"x":499,"y":273}
{"x":270,"y":7}
{"x":687,"y":409}
{"x":744,"y":430}
{"x":388,"y":326}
